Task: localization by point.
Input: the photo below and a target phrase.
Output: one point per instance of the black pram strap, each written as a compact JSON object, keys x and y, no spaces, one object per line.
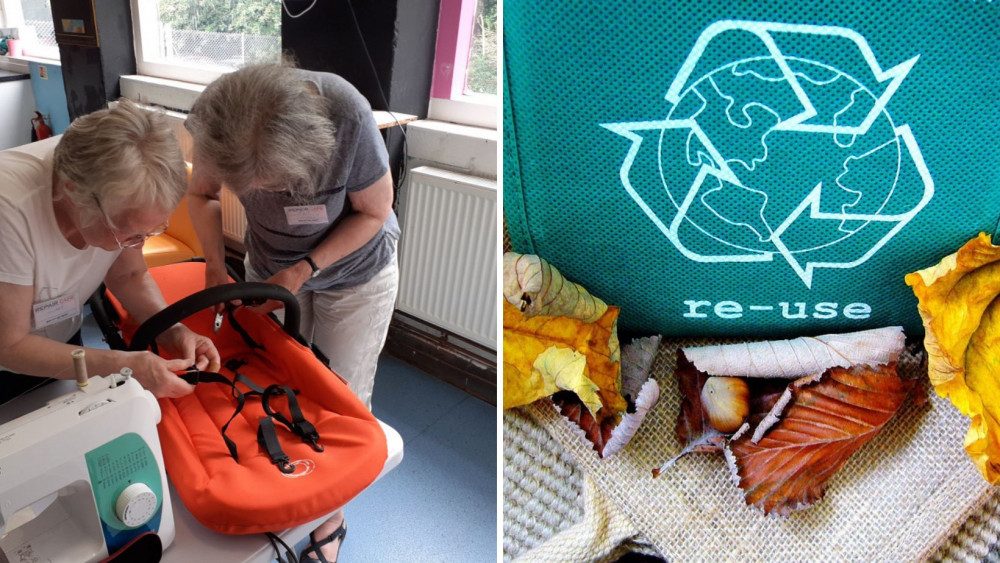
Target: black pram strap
{"x":298,"y":424}
{"x":268,"y":439}
{"x":253,"y":344}
{"x":195,"y":377}
{"x":267,"y":436}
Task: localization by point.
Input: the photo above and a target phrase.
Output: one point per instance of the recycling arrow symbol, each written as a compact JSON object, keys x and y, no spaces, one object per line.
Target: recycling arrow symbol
{"x":778,"y":144}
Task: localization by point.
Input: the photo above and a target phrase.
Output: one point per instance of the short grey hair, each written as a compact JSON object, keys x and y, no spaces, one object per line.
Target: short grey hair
{"x":263,"y":127}
{"x":122,"y":158}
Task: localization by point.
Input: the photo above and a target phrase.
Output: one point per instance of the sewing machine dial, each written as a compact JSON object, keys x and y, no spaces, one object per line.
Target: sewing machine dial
{"x":136,"y":505}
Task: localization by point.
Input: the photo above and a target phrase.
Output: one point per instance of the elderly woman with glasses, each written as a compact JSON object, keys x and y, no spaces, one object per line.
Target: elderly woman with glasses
{"x":76,"y":217}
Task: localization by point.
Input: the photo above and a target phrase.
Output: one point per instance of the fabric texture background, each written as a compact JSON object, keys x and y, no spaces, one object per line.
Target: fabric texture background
{"x":573,"y":71}
{"x":911,"y":493}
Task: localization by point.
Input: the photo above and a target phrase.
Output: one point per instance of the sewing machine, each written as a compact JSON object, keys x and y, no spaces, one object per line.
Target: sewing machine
{"x":81,"y":475}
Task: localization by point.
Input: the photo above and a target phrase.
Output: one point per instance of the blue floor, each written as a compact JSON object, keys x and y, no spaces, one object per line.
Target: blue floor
{"x":440,"y":503}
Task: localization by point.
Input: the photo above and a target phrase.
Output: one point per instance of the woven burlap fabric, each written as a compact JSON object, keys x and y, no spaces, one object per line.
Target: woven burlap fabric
{"x":547,"y":508}
{"x":904,"y":496}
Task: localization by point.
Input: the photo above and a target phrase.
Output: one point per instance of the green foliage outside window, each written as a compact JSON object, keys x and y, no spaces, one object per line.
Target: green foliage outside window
{"x":252,"y":17}
{"x":481,"y":76}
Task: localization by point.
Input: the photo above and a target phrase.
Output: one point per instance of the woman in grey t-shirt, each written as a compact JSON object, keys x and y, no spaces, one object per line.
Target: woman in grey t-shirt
{"x":302,"y":152}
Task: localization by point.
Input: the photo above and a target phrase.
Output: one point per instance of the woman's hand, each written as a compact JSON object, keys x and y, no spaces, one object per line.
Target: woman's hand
{"x":158,"y":375}
{"x":218,"y":276}
{"x":184,"y":344}
{"x":291,"y":278}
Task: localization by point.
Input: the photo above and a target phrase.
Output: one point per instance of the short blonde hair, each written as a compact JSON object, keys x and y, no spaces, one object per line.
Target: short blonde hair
{"x":262,"y":127}
{"x":125,"y":157}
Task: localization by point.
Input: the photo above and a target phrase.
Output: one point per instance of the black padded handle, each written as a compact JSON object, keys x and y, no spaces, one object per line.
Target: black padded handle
{"x":244,"y":291}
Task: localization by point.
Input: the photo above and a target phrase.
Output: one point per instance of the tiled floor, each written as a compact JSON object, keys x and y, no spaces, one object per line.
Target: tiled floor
{"x":439,"y":504}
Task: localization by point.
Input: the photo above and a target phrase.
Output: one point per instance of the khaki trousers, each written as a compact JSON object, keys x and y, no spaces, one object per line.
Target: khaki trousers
{"x":350,"y":325}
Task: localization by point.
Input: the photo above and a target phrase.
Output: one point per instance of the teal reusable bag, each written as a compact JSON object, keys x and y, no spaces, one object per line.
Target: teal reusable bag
{"x":756,"y":169}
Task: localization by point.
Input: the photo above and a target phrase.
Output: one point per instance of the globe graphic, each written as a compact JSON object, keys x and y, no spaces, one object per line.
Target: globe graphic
{"x":740,"y":109}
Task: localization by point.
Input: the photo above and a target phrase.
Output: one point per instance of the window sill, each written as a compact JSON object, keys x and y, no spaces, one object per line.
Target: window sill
{"x":172,"y":94}
{"x":25,"y":59}
{"x":472,"y":150}
{"x":474,"y":111}
{"x":14,"y":65}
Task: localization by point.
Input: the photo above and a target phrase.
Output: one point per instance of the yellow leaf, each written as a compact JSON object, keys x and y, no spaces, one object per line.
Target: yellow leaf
{"x":524,"y":339}
{"x":958,"y":306}
{"x":523,"y":388}
{"x":566,"y":367}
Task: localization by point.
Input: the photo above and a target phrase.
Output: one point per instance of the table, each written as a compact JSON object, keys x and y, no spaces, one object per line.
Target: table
{"x":194,"y":542}
{"x":386,"y":119}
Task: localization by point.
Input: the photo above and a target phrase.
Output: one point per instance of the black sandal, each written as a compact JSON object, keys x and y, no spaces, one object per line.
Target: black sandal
{"x":316,"y":546}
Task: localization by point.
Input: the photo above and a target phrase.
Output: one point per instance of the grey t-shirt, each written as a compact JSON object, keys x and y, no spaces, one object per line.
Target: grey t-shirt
{"x":274,"y":241}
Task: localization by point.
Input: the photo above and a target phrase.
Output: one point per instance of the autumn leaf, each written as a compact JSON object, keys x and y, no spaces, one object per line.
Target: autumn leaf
{"x":799,"y":357}
{"x":566,"y":369}
{"x":597,"y":431}
{"x":825,"y":423}
{"x":639,"y":389}
{"x":622,"y":434}
{"x":637,"y":361}
{"x":693,"y":430}
{"x":532,"y":285}
{"x":525,"y":339}
{"x":959,"y":307}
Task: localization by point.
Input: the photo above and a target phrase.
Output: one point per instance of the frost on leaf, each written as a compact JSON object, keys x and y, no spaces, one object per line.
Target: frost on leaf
{"x":826,"y":422}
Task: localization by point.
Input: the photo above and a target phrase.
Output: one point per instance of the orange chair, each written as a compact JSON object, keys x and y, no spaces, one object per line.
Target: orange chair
{"x":178,"y":243}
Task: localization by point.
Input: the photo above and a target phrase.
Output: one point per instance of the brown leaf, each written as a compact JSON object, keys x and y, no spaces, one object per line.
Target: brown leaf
{"x":825,"y":423}
{"x":598,"y":433}
{"x":693,"y":429}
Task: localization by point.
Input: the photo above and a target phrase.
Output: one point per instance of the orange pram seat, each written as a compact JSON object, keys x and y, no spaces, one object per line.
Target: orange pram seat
{"x":242,"y":488}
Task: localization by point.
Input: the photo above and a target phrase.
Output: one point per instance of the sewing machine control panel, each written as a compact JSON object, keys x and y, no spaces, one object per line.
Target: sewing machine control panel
{"x":126,"y":481}
{"x":136,"y":505}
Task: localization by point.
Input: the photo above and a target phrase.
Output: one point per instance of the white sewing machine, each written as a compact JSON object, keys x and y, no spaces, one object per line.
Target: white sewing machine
{"x":81,"y":475}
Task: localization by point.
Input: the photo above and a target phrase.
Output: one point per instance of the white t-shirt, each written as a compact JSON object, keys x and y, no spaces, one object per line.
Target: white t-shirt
{"x":34,"y":252}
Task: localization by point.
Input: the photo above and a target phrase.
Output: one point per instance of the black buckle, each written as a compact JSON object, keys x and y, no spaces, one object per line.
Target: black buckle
{"x":305,"y":430}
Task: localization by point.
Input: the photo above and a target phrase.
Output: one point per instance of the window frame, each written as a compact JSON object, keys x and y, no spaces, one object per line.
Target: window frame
{"x":449,"y":102}
{"x":144,"y":12}
{"x":12,"y":15}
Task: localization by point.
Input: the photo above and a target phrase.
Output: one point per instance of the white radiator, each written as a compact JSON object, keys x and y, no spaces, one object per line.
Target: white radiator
{"x":234,"y":218}
{"x":448,"y":252}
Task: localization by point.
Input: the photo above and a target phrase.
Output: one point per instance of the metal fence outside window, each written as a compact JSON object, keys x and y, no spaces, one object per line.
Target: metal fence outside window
{"x":44,"y":30}
{"x":224,"y":49}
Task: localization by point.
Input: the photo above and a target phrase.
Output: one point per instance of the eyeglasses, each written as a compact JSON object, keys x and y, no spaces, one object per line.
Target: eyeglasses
{"x":134,"y":240}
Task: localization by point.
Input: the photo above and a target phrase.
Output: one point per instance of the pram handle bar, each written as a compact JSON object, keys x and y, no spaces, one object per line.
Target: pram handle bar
{"x":244,"y":291}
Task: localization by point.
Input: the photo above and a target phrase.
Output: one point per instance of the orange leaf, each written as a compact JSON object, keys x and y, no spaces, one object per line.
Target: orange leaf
{"x":524,"y":339}
{"x":825,"y":423}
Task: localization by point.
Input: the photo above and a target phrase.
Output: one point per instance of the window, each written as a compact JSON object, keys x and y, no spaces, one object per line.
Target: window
{"x":33,"y":20}
{"x":464,"y":89}
{"x":198,"y":40}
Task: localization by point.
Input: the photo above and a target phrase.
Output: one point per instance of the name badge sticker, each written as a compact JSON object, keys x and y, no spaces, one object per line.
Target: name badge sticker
{"x":306,"y":215}
{"x":48,"y":313}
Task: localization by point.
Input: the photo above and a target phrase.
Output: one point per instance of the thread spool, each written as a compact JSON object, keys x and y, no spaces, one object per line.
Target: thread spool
{"x":80,"y":367}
